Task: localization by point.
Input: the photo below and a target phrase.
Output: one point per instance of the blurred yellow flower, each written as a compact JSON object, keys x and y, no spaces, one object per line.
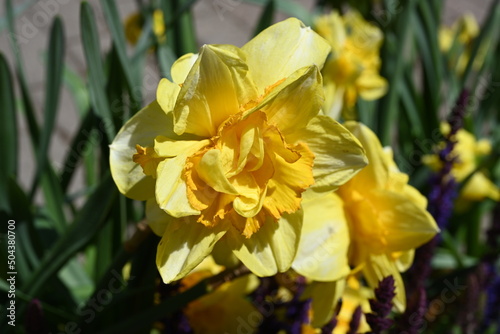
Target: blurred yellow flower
{"x":134,"y":24}
{"x":387,"y":217}
{"x":386,"y":220}
{"x":224,"y":310}
{"x":353,"y":296}
{"x":352,"y":69}
{"x":464,"y":30}
{"x":230,"y":146}
{"x":467,"y":151}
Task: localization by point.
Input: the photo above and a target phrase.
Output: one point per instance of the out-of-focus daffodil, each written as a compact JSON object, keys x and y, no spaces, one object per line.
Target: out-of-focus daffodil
{"x":354,"y":295}
{"x":352,"y":69}
{"x":386,"y":220}
{"x":467,"y":152}
{"x":229,"y":147}
{"x":134,"y":24}
{"x":464,"y":31}
{"x":219,"y":311}
{"x":387,"y":217}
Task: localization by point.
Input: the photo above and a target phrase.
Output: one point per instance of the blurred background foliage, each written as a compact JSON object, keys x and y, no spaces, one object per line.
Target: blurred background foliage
{"x":72,"y":245}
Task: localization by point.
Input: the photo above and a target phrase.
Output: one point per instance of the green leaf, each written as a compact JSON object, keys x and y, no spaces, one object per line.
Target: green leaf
{"x":87,"y":224}
{"x":390,"y":103}
{"x":81,"y":144}
{"x":489,"y":28}
{"x":116,"y":27}
{"x":78,"y":90}
{"x":185,"y":29}
{"x":290,"y":8}
{"x":149,"y":315}
{"x":55,"y":63}
{"x":97,"y":80}
{"x":266,"y":18}
{"x":411,"y":110}
{"x":427,"y":36}
{"x":166,"y":58}
{"x":179,"y":25}
{"x":8,"y":131}
{"x":26,"y":98}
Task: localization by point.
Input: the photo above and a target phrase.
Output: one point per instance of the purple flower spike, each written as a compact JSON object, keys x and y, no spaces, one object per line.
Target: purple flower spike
{"x":381,"y":306}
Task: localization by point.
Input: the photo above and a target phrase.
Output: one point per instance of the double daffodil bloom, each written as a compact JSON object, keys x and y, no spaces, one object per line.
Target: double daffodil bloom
{"x":467,"y":152}
{"x":352,"y":69}
{"x":373,"y":223}
{"x":227,"y":149}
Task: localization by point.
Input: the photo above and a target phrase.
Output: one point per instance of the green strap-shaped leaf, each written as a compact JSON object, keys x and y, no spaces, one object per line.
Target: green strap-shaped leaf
{"x":26,"y":98}
{"x":97,"y":80}
{"x":55,"y":63}
{"x":291,"y":8}
{"x":80,"y":145}
{"x":490,"y":27}
{"x":8,"y":131}
{"x":390,"y":103}
{"x":116,"y":28}
{"x":88,"y":222}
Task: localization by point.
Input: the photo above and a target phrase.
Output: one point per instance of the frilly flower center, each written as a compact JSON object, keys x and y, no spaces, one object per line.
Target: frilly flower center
{"x":235,"y":177}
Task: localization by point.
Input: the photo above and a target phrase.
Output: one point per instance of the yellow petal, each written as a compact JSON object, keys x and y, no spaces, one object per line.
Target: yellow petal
{"x":282,"y":49}
{"x":139,"y":130}
{"x":226,"y":309}
{"x":224,"y":256}
{"x":171,"y":190}
{"x":332,"y":28}
{"x":183,"y":246}
{"x":210,"y":170}
{"x":156,"y":218}
{"x":249,"y":202}
{"x":479,"y":187}
{"x":148,"y":159}
{"x":404,"y":260}
{"x":324,"y":242}
{"x":376,"y":174}
{"x":338,"y":154}
{"x":272,"y":248}
{"x":296,"y":101}
{"x":404,"y":224}
{"x":216,"y":86}
{"x":288,"y":182}
{"x":333,"y":99}
{"x":378,"y":267}
{"x":181,"y":67}
{"x":371,"y":86}
{"x":325,"y":297}
{"x":166,"y":94}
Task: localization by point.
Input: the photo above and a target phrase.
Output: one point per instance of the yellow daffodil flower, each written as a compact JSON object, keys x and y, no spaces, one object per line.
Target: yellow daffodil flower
{"x":464,"y":30}
{"x":227,"y":149}
{"x":387,"y":217}
{"x":225,"y":310}
{"x":467,"y":151}
{"x":386,"y":220}
{"x":322,"y":255}
{"x":352,"y":69}
{"x":134,"y":23}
